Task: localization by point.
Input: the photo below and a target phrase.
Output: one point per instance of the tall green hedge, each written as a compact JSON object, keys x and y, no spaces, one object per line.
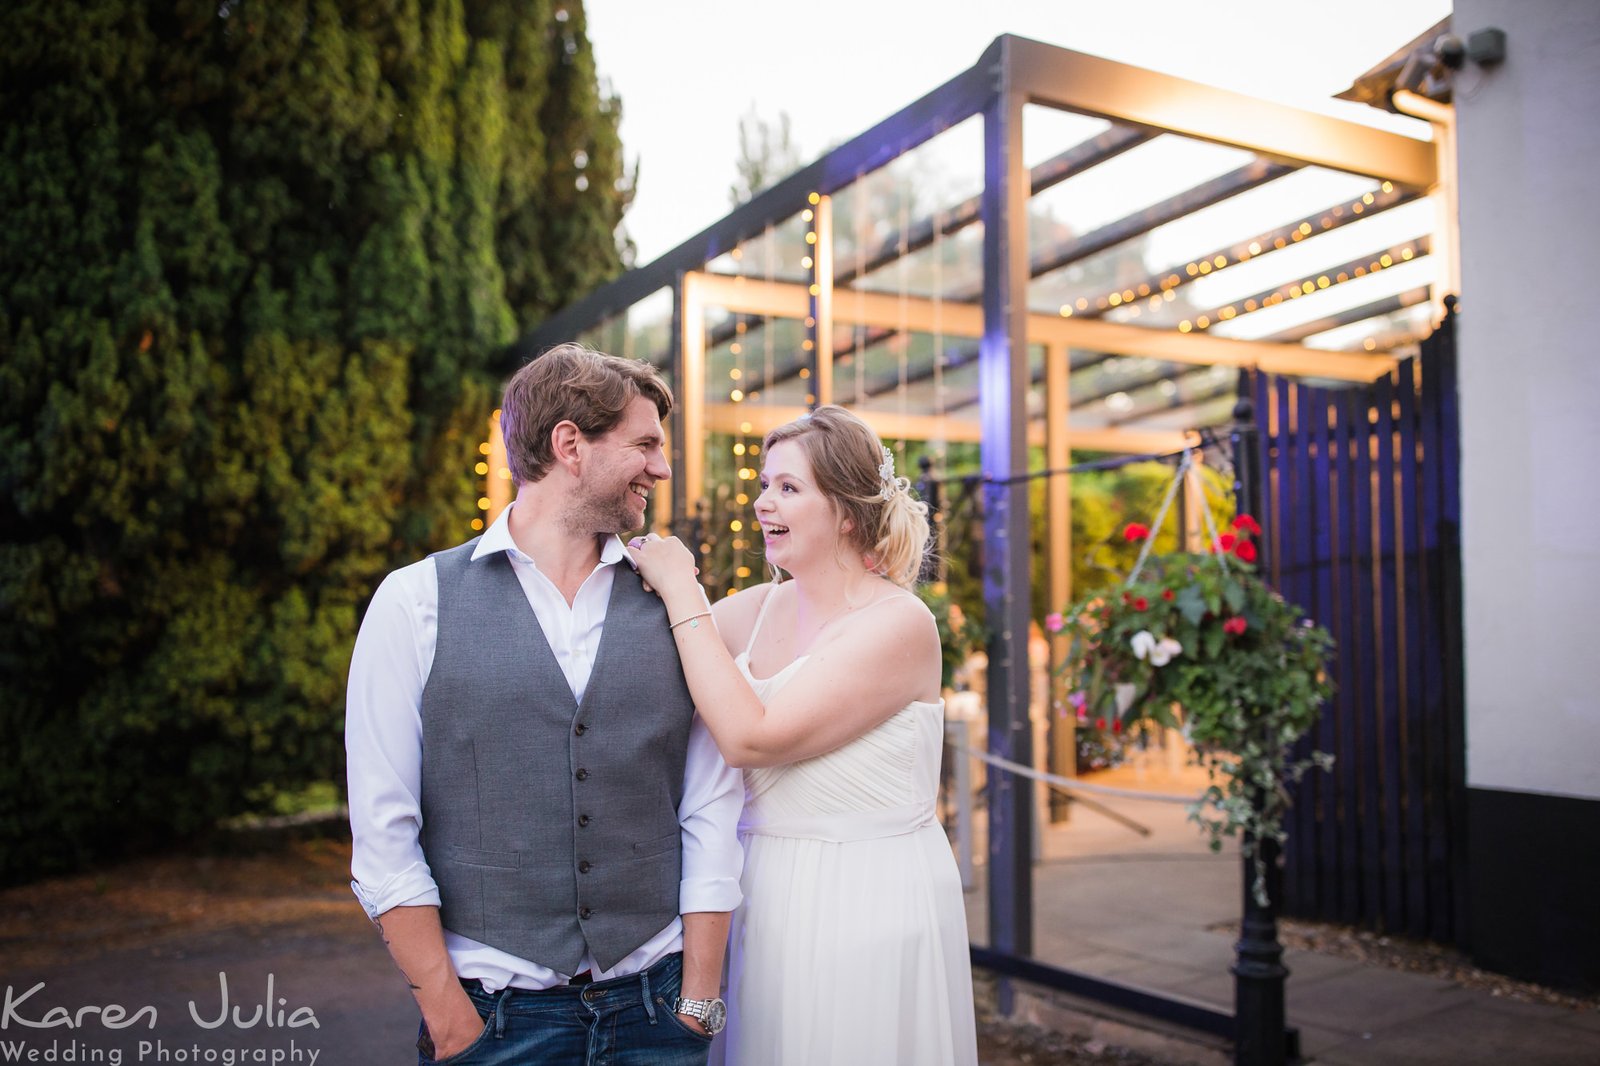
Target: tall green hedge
{"x":257,"y":258}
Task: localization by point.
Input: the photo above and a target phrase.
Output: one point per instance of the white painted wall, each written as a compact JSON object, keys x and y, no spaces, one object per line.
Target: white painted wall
{"x":1530,"y":396}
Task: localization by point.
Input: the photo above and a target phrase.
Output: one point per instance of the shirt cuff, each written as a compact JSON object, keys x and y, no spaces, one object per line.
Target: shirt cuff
{"x":411,"y":887}
{"x":708,"y":894}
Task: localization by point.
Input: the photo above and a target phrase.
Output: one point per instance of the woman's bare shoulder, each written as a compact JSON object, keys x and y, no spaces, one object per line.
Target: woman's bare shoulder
{"x":736,"y":613}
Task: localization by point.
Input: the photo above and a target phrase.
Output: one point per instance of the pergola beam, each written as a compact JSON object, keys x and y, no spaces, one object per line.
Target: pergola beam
{"x":1089,"y":85}
{"x":732,"y":418}
{"x":921,"y":314}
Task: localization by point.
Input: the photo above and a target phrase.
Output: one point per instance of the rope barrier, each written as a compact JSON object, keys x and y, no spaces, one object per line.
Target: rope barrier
{"x":1067,"y":784}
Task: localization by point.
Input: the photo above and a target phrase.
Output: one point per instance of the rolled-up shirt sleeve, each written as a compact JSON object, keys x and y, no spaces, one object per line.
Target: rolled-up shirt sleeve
{"x":383,"y":742}
{"x":713,"y":799}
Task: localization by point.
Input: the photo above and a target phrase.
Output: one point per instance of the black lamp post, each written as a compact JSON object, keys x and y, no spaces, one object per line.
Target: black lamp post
{"x":1260,"y":1037}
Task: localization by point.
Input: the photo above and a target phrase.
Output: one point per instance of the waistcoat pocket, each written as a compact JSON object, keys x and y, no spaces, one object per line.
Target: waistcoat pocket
{"x":497,"y":860}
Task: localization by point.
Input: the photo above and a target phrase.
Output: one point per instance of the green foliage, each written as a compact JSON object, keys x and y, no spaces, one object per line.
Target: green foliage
{"x":258,"y":261}
{"x":1199,"y":640}
{"x":959,"y":635}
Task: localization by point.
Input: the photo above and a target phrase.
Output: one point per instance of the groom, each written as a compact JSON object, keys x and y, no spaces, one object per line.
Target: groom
{"x":544,"y":832}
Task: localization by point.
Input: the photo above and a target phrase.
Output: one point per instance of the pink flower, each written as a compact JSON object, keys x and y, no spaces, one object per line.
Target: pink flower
{"x":1235,"y":625}
{"x":1054,"y":623}
{"x":1135,"y":531}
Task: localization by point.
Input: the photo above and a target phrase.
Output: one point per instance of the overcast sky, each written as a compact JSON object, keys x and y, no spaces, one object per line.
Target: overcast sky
{"x":687,"y":69}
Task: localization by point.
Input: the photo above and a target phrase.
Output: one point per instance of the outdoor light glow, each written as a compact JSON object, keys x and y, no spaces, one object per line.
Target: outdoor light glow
{"x":736,"y":395}
{"x":805,"y":371}
{"x":741,"y":499}
{"x":736,"y":525}
{"x":744,"y":427}
{"x":477,"y":523}
{"x":483,"y":503}
{"x":738,"y":449}
{"x":483,"y":449}
{"x":481,"y":468}
{"x":735,"y":373}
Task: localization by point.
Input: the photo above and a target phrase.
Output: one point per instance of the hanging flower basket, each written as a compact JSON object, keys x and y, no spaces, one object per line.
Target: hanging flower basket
{"x":1200,"y":642}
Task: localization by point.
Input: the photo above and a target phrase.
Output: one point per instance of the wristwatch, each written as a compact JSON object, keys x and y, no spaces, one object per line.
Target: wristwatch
{"x":711,"y":1013}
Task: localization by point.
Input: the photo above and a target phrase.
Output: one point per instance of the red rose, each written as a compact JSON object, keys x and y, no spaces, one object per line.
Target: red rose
{"x":1099,"y":723}
{"x":1166,"y":594}
{"x":1141,"y":604}
{"x":1246,"y":551}
{"x":1235,"y":625}
{"x":1135,"y":532}
{"x":1125,"y":597}
{"x":1227,"y":541}
{"x":1245,"y":524}
{"x":1116,"y":725}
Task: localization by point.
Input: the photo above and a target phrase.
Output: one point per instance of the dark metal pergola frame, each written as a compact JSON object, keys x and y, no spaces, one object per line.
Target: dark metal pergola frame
{"x":1011,"y":73}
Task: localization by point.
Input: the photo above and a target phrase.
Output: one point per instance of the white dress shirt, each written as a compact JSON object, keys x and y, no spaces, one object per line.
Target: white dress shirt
{"x":383,"y":742}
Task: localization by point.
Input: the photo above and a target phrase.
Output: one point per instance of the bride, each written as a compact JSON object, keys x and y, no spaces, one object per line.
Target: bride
{"x":851,"y":946}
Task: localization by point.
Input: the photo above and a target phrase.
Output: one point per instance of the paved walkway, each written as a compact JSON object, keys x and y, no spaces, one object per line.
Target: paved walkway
{"x":1146,"y":911}
{"x":1143,"y":910}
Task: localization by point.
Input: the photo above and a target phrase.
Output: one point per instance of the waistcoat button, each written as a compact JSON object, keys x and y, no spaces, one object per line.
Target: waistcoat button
{"x":585,"y":912}
{"x":580,"y":729}
{"x":583,"y":775}
{"x":584,"y":867}
{"x":583,"y":819}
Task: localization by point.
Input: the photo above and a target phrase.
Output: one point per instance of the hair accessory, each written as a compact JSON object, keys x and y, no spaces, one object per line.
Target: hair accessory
{"x":890,"y":484}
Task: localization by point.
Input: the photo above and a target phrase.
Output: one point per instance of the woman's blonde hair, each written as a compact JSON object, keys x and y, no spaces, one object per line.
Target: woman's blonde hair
{"x":888,"y":525}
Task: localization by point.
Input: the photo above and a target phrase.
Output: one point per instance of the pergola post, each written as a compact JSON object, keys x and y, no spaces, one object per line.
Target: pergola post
{"x":688,"y":429}
{"x":1003,"y":381}
{"x":819,"y":310}
{"x":1058,"y":548}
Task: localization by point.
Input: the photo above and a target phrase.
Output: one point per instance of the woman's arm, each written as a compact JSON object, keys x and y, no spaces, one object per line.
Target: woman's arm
{"x":866,"y":670}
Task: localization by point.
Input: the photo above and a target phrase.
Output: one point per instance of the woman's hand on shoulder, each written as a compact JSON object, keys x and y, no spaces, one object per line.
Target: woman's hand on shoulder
{"x":665,"y":563}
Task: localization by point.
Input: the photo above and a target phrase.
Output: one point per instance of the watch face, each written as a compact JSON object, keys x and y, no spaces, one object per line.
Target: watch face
{"x":716,"y":1016}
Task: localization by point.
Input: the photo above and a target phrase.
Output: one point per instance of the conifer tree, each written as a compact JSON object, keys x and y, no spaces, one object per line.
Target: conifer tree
{"x":259,"y":265}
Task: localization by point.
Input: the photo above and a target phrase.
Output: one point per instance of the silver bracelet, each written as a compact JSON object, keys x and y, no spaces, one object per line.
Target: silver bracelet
{"x":693,"y":620}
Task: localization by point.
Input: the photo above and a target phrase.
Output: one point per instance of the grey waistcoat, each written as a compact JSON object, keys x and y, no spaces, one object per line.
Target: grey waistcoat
{"x":551,"y":826}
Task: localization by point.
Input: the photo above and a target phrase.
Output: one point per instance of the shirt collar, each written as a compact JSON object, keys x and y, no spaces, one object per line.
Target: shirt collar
{"x":497,"y":538}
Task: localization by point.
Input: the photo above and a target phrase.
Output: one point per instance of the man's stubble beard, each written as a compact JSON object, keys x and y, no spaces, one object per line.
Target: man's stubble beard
{"x":595,"y":516}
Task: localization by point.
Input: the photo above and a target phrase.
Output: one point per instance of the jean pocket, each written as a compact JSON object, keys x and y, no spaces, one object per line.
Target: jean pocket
{"x":665,"y":1008}
{"x":460,"y":1058}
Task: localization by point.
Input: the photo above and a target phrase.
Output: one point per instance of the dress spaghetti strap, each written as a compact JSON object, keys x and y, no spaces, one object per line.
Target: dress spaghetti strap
{"x":761,"y":616}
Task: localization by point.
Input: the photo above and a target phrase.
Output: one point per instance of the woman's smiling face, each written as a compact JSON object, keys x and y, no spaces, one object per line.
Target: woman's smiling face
{"x":798,"y":523}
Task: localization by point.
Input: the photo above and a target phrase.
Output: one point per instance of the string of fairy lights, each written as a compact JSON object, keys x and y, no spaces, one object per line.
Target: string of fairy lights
{"x":1152,"y":294}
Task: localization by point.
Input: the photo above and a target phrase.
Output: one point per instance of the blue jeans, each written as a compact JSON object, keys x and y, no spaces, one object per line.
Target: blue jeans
{"x":626,"y":1021}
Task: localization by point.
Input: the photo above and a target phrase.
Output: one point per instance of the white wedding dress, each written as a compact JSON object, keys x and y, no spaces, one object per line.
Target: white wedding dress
{"x":851,"y":946}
